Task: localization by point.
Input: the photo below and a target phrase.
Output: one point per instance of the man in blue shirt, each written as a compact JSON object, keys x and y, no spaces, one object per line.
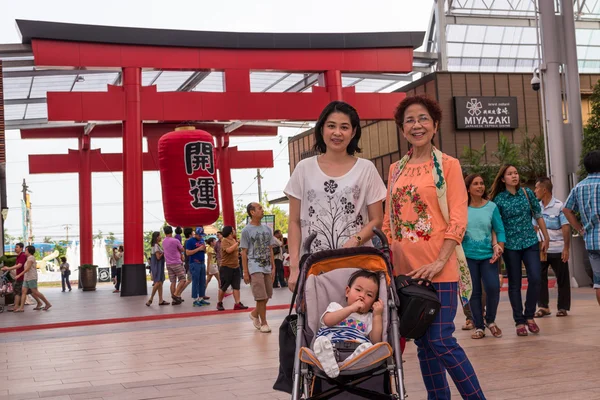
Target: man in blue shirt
{"x":585,"y":199}
{"x":195,"y":249}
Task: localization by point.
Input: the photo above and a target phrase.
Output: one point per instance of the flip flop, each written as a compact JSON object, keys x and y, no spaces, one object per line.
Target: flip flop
{"x":148,"y":303}
{"x":47,"y":307}
{"x":541,"y":313}
{"x":38,"y":308}
{"x":562,"y":313}
{"x":163,"y":303}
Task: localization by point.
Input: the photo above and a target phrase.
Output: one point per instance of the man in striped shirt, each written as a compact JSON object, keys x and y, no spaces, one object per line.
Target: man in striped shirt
{"x":585,"y":199}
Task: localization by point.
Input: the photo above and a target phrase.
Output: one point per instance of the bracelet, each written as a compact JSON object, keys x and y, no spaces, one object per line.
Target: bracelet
{"x":358,"y":239}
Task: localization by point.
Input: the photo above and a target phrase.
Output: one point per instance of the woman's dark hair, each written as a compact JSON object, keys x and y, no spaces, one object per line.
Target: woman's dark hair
{"x":432,"y":106}
{"x":469,"y":180}
{"x":187,"y":232}
{"x":63,"y":259}
{"x":344,"y":108}
{"x":30,"y":250}
{"x":363,"y":273}
{"x":155,"y":236}
{"x":121,"y":248}
{"x":210,"y":240}
{"x":498,"y":186}
{"x":227,"y":230}
{"x":178,"y":230}
{"x":591,"y":162}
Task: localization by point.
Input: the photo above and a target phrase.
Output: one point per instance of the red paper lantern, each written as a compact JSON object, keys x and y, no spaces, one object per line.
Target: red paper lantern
{"x":186,"y":161}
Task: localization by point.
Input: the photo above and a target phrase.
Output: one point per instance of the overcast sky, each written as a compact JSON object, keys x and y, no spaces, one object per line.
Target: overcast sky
{"x":55,"y":197}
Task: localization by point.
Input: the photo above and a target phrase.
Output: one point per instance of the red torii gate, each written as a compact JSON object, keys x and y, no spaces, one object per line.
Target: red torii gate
{"x":236,"y":54}
{"x":84,"y":161}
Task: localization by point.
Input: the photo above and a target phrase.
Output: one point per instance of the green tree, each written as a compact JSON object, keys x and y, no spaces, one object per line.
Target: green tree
{"x":110,"y":238}
{"x":281,"y":217}
{"x":591,"y":132}
{"x":99,"y":235}
{"x":507,"y":153}
{"x":8,"y":238}
{"x":61,"y":247}
{"x":473,"y":162}
{"x":48,"y":239}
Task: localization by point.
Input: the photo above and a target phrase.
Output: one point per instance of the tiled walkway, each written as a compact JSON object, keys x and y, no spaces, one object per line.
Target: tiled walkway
{"x":103,"y":304}
{"x":223,"y":357}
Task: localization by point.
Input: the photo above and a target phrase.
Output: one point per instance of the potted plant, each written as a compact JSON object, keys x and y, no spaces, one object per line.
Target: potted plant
{"x":88,"y":275}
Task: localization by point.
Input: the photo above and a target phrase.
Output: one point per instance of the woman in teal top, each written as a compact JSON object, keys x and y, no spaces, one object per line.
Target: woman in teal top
{"x":483,"y":245}
{"x":517,"y":206}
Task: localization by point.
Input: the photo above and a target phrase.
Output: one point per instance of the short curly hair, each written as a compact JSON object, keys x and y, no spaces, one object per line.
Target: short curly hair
{"x":432,"y":106}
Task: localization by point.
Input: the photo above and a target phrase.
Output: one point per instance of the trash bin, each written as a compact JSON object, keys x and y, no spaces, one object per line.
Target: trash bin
{"x":103,"y":274}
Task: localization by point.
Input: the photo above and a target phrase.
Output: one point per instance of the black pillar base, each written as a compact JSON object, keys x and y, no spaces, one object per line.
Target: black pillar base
{"x":133,"y":280}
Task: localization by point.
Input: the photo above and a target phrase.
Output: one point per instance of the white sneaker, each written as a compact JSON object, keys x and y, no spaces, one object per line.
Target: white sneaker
{"x":255,"y":321}
{"x":265,"y":329}
{"x":324,"y":351}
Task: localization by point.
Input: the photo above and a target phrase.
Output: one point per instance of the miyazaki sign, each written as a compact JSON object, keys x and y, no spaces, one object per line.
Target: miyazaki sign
{"x":479,"y":112}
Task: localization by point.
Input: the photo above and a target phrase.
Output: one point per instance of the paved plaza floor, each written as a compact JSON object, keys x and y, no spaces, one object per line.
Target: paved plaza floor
{"x":224,"y":357}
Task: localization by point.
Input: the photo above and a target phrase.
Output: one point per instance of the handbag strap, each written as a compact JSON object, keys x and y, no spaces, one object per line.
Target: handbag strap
{"x":528,"y":201}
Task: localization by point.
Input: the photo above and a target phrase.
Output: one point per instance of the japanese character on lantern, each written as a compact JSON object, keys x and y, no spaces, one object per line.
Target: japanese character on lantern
{"x":202,"y":191}
{"x":199,"y":156}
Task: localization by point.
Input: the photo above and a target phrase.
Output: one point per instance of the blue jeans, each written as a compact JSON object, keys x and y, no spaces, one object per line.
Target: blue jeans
{"x":594,"y":256}
{"x":531,"y":258}
{"x":483,"y":270}
{"x":439,"y":352}
{"x":64,"y":279}
{"x":198,"y":271}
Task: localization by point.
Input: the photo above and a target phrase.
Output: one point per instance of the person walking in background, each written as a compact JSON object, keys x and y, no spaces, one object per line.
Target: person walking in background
{"x":585,"y":200}
{"x":559,"y":233}
{"x":157,"y":270}
{"x":259,"y":264}
{"x":30,"y":276}
{"x":178,"y":232}
{"x":279,"y":280}
{"x":517,"y":207}
{"x":483,"y":252}
{"x":18,"y":268}
{"x":120,"y":259}
{"x":195,"y":248}
{"x":65,"y":272}
{"x":212,"y":268}
{"x":425,"y":221}
{"x":173,"y":259}
{"x":335,"y":194}
{"x":187,"y":233}
{"x":113,"y":265}
{"x":230,"y":271}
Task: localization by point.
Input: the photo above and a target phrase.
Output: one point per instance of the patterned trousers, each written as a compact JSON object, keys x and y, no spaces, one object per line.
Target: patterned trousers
{"x":439,"y":352}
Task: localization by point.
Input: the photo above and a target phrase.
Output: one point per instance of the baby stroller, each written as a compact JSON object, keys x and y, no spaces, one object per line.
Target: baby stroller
{"x":377,"y":372}
{"x":5,"y":289}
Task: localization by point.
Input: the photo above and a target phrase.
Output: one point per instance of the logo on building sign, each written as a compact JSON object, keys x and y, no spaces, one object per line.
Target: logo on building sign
{"x":486,"y":113}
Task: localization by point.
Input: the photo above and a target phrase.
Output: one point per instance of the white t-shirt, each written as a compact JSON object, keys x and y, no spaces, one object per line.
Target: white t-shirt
{"x":356,"y":327}
{"x":341,"y":201}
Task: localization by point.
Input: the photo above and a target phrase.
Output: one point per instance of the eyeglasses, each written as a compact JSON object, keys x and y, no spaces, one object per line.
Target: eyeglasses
{"x":423,"y":120}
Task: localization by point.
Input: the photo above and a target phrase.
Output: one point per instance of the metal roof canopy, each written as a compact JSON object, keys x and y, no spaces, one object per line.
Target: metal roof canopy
{"x":26,"y":85}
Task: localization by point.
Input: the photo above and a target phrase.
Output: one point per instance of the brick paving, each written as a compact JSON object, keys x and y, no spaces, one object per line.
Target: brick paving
{"x":223,"y":357}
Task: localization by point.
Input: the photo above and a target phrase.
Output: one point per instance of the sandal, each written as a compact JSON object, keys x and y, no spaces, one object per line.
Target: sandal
{"x":532,"y":326}
{"x":494,"y":330}
{"x":478,"y":334}
{"x":164,"y":303}
{"x":562,"y":313}
{"x":469,"y":325}
{"x":38,"y":308}
{"x":148,"y":303}
{"x":521,"y":330}
{"x":47,"y":307}
{"x":542,"y":312}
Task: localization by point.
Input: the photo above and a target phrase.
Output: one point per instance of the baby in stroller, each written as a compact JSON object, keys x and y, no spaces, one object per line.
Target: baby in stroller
{"x":355,"y":327}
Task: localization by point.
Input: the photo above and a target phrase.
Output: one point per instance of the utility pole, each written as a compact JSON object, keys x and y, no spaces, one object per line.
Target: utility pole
{"x":26,"y":217}
{"x":258,"y":178}
{"x":67,"y":226}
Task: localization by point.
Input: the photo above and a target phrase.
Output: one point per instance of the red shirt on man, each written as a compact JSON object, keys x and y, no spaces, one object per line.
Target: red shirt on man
{"x":21,"y":259}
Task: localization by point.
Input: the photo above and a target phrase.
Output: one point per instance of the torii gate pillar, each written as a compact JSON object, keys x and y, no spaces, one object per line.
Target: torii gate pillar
{"x":85,"y":202}
{"x":133,"y":174}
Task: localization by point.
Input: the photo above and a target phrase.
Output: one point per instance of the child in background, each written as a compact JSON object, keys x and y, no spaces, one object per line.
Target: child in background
{"x":361,"y":321}
{"x":178,"y":232}
{"x":212,"y":268}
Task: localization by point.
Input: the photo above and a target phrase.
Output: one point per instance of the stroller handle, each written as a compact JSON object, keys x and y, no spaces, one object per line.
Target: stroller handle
{"x":376,"y":231}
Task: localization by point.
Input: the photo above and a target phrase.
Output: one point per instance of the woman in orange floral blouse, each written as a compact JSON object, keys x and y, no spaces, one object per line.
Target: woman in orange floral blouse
{"x":425,"y":221}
